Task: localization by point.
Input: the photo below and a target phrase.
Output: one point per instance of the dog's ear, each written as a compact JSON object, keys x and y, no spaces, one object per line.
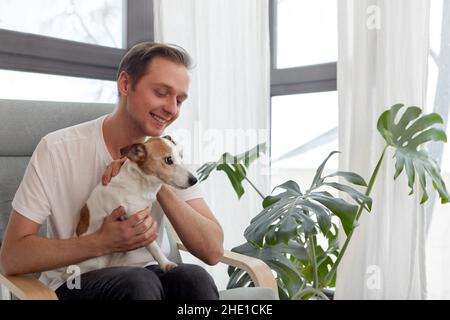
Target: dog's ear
{"x":169,"y":138}
{"x":135,"y":152}
{"x":124,"y":151}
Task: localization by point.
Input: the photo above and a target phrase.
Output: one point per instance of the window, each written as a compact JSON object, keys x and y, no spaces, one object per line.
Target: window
{"x":95,"y":22}
{"x":306,"y":32}
{"x":71,"y":38}
{"x":304,"y":109}
{"x":39,"y":86}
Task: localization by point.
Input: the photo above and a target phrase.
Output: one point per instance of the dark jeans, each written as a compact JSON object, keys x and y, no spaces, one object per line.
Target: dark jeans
{"x":185,"y":282}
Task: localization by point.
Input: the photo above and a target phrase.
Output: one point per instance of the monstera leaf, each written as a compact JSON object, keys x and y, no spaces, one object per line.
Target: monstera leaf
{"x":290,"y":213}
{"x":233,"y":166}
{"x":407,"y":136}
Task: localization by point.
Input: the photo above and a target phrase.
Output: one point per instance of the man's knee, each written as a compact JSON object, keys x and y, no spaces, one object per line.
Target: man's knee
{"x":195,"y":281}
{"x":138,"y":284}
{"x":192,"y":272}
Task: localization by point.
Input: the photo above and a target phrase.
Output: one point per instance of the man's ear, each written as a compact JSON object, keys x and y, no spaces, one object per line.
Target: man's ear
{"x":169,"y":138}
{"x":124,"y":83}
{"x":135,"y":152}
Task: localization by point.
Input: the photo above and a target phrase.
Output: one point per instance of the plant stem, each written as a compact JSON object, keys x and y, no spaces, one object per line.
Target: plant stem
{"x":254,"y":187}
{"x":314,"y":262}
{"x":358,"y":214}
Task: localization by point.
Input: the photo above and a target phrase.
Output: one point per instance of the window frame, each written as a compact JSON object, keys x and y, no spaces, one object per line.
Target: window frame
{"x":297,"y":80}
{"x":27,"y":52}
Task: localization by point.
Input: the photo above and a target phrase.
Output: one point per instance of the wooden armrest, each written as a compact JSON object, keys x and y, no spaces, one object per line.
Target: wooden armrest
{"x":25,"y":287}
{"x":258,"y":270}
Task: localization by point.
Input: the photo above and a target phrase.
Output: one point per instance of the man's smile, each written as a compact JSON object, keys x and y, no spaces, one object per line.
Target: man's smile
{"x":158,"y":119}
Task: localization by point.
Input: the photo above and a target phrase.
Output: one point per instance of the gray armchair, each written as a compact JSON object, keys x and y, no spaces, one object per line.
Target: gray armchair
{"x":22,"y":124}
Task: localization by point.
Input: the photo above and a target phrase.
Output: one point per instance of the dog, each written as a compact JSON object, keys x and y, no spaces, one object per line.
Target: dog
{"x":148,"y":167}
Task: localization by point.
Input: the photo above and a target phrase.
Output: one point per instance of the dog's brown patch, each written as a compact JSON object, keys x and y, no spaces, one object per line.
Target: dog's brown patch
{"x":83,"y":224}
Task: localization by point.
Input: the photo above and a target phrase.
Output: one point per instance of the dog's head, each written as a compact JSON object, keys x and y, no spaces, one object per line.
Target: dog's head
{"x":161,"y":157}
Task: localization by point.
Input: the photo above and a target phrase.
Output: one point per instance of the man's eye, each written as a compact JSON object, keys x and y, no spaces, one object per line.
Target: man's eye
{"x":168,"y":160}
{"x":161,"y":93}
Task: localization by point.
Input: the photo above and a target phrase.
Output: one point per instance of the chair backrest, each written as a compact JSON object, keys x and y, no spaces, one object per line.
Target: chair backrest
{"x":22,"y":125}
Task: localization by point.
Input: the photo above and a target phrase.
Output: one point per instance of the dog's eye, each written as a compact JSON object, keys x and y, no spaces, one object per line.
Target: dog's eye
{"x":168,"y":160}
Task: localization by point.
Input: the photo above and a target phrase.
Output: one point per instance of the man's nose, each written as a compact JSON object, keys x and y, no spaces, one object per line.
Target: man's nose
{"x":171,"y":106}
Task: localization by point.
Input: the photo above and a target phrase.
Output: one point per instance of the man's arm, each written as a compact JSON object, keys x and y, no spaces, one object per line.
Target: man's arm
{"x":195,"y":224}
{"x":23,"y":251}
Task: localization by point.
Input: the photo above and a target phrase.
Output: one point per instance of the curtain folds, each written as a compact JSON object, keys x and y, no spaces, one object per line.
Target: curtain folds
{"x":383,"y":54}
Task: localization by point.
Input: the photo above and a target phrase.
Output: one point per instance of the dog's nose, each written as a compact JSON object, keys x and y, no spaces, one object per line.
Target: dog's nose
{"x":192,"y":180}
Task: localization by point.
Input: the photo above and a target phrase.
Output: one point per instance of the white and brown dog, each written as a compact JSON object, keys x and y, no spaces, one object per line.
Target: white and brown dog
{"x":150,"y":164}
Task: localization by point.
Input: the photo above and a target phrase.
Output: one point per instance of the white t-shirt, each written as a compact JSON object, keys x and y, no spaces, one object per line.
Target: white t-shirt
{"x":63,"y":170}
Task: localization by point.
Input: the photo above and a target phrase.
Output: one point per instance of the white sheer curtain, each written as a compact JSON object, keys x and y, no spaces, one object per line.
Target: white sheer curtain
{"x":228,"y":107}
{"x":383,"y":52}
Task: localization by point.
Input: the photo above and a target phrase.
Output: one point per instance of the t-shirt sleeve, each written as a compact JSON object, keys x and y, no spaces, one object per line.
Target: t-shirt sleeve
{"x":190,"y":193}
{"x":32,"y":196}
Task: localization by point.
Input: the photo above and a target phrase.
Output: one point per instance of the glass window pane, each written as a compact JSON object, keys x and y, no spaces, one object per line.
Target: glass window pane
{"x":95,"y":22}
{"x":37,"y":86}
{"x":306,"y":32}
{"x":303,"y":133}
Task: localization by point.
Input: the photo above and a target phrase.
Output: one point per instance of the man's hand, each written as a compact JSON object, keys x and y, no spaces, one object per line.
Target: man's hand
{"x":112,"y":170}
{"x":118,"y":235}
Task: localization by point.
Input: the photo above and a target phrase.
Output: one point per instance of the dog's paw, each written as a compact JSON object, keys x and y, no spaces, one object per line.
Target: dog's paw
{"x":169,"y":266}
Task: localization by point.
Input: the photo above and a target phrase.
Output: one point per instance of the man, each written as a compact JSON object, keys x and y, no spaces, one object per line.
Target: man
{"x":67,"y":164}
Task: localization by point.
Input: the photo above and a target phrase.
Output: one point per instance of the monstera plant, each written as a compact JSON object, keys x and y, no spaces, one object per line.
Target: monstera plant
{"x":296,"y":234}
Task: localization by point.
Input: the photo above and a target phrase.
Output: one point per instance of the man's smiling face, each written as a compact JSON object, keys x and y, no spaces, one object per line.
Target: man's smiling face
{"x":154,"y":102}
